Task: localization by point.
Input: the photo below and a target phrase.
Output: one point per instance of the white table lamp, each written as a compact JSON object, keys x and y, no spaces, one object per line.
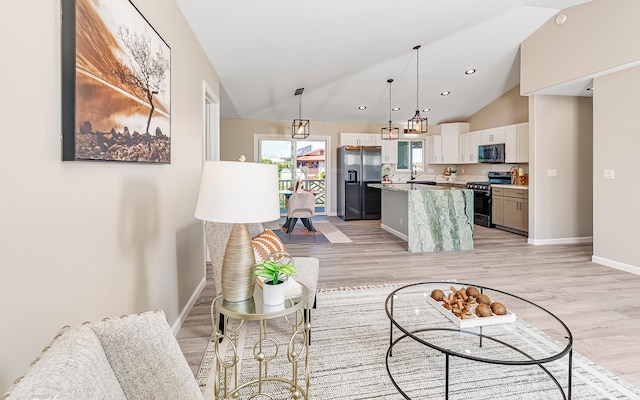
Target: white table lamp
{"x":238,"y":193}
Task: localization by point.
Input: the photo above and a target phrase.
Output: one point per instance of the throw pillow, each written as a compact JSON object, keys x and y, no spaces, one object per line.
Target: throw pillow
{"x":265,"y":244}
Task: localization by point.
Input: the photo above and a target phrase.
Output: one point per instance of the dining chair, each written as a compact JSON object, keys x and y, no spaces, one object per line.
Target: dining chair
{"x":301,"y":205}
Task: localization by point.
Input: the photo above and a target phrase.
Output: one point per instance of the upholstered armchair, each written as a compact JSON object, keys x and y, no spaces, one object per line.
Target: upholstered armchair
{"x":307,"y":268}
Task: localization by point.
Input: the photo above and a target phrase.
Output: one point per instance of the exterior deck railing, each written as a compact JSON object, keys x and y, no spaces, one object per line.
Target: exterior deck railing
{"x":316,"y":186}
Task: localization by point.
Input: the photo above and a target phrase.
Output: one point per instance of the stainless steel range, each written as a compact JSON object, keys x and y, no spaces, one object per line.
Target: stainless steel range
{"x":482,"y":202}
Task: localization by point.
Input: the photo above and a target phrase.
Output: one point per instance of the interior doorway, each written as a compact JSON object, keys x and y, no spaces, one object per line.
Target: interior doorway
{"x":303,"y":161}
{"x":211,"y":125}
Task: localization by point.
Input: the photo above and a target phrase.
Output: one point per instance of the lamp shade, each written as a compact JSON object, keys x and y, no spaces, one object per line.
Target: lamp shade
{"x":238,"y":192}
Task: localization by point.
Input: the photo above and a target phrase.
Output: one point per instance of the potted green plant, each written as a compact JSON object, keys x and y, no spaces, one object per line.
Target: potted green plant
{"x":275,"y":274}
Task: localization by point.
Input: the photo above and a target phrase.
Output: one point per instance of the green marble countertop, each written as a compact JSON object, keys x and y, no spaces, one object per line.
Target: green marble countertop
{"x":406,"y":187}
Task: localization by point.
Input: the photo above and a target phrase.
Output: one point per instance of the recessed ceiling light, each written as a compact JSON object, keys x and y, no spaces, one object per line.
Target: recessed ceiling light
{"x":470,"y":71}
{"x":445,"y":93}
{"x":362,"y":108}
{"x":396,"y":109}
{"x":426,"y":110}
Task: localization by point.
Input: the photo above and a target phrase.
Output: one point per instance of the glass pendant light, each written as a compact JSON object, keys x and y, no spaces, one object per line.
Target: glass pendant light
{"x":300,"y":127}
{"x":417,"y":124}
{"x":390,"y":132}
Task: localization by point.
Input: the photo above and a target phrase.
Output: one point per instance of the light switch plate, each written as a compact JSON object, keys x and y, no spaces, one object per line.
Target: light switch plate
{"x":552,"y":172}
{"x":609,"y":174}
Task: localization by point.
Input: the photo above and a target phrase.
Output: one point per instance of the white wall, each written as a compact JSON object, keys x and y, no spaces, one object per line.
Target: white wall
{"x":560,"y":139}
{"x":616,"y":140}
{"x":86,"y":240}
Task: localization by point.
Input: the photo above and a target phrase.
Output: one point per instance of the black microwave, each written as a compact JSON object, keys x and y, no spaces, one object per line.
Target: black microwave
{"x":491,"y":153}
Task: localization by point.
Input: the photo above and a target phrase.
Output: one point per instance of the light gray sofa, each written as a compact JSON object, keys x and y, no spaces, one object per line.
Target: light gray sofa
{"x":307,"y":268}
{"x":131,"y":357}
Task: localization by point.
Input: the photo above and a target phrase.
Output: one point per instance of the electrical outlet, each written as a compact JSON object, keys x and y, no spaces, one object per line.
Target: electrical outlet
{"x":552,"y":172}
{"x":462,"y":171}
{"x":400,"y":221}
{"x":609,"y":174}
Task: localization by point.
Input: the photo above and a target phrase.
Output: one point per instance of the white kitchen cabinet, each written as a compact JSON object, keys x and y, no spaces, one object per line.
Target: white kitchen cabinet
{"x":360,"y":139}
{"x":390,"y":151}
{"x":492,"y":136}
{"x":517,"y":143}
{"x":523,"y":143}
{"x":449,"y":142}
{"x":468,"y":148}
{"x":434,"y":149}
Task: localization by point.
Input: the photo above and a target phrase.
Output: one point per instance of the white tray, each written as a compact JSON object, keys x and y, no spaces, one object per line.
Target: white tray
{"x":473,"y":320}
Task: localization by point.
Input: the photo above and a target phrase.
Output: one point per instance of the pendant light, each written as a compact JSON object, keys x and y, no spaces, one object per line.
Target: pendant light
{"x":300,"y":127}
{"x":390,"y":132}
{"x":417,"y":124}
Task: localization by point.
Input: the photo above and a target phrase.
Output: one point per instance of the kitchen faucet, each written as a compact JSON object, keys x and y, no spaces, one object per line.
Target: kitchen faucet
{"x":414,"y":172}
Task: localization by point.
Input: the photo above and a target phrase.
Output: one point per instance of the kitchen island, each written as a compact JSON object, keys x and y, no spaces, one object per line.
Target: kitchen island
{"x":429,"y":218}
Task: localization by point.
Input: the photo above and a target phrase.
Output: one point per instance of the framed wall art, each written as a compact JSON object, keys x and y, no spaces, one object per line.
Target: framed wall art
{"x":116,"y":84}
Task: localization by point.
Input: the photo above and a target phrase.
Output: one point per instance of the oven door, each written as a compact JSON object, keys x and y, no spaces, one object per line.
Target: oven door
{"x":482,"y":208}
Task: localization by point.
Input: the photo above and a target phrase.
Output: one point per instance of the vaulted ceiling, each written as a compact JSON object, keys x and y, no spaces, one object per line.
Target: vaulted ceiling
{"x":343,"y":52}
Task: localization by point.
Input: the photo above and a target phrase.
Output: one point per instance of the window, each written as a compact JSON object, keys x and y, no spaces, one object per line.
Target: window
{"x":303,"y":160}
{"x":409,"y":154}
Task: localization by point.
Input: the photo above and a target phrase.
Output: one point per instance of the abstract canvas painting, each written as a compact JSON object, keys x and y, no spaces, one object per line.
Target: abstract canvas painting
{"x":116,"y":84}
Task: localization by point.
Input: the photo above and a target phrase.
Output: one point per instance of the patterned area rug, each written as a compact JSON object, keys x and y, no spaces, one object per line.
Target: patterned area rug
{"x":349,"y":340}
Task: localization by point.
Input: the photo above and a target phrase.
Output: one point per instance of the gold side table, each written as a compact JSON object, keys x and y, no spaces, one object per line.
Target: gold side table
{"x":296,"y":313}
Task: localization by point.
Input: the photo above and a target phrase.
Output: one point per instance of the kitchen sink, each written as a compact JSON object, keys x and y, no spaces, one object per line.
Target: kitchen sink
{"x":423,"y":182}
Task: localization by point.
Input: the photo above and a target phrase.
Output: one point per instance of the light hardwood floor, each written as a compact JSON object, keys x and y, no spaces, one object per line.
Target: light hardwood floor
{"x":599,"y":304}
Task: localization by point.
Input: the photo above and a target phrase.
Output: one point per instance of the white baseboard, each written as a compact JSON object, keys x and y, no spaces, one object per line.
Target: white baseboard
{"x":617,"y":265}
{"x":187,"y":307}
{"x":573,"y":240}
{"x":394,"y":232}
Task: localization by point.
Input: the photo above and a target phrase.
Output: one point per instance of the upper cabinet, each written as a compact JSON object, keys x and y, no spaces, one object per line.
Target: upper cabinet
{"x":389,"y":151}
{"x":468,"y":148}
{"x":516,"y":147}
{"x":434,"y":149}
{"x":444,"y":148}
{"x":492,"y":136}
{"x":360,"y":139}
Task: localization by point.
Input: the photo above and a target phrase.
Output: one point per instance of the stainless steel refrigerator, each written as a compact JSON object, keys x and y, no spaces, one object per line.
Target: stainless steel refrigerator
{"x":357,"y":167}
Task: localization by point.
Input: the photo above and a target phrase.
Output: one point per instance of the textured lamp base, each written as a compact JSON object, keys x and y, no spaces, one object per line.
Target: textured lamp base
{"x":237,"y":278}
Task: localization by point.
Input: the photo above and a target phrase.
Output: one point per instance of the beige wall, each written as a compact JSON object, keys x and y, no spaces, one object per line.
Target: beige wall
{"x":237,"y":138}
{"x":508,"y":109}
{"x":598,"y":35}
{"x":616,"y":142}
{"x":598,"y":39}
{"x":560,"y":138}
{"x":85,"y":240}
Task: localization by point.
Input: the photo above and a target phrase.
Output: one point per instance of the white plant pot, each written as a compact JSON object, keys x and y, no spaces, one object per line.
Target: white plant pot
{"x":273,"y":295}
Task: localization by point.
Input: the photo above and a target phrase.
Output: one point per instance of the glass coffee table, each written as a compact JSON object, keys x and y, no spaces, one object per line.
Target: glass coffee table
{"x":529,"y":349}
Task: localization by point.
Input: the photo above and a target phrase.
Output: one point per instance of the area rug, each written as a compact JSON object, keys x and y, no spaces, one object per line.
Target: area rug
{"x":300,"y":234}
{"x":349,"y":340}
{"x":325,"y":232}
